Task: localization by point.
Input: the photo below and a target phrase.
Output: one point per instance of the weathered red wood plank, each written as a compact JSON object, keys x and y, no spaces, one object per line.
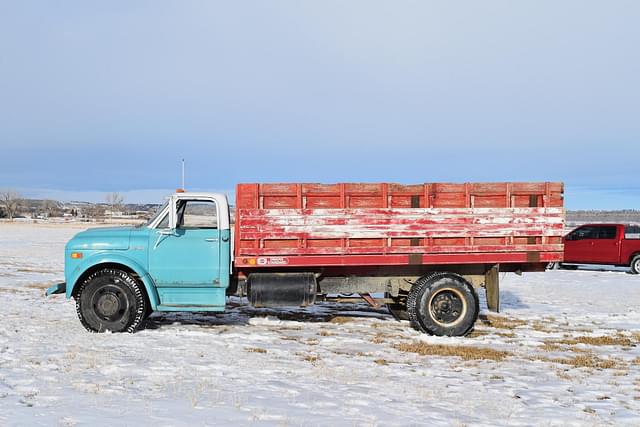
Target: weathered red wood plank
{"x":399,"y":249}
{"x":378,"y":260}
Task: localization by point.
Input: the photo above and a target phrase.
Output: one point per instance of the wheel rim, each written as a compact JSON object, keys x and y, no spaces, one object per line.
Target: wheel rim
{"x":637,"y":265}
{"x":447,"y":306}
{"x":110,"y":303}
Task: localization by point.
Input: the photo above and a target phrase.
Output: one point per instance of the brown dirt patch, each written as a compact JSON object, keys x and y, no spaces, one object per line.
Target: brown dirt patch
{"x":255,"y":350}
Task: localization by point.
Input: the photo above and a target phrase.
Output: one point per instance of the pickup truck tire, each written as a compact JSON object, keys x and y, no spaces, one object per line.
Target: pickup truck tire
{"x":398,"y":308}
{"x":635,"y":264}
{"x":110,"y":300}
{"x":443,"y":304}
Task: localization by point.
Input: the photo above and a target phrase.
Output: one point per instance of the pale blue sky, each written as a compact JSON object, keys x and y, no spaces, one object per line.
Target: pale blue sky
{"x":109,"y":96}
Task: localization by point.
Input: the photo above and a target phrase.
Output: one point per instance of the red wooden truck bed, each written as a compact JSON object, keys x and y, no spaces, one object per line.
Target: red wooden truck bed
{"x":297,"y":225}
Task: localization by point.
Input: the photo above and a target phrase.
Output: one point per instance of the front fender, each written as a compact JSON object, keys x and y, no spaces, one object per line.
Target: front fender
{"x":111,"y":258}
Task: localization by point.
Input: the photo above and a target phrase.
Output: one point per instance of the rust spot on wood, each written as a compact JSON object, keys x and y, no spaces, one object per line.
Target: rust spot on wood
{"x":533,"y":256}
{"x":415,"y":259}
{"x":415,"y":201}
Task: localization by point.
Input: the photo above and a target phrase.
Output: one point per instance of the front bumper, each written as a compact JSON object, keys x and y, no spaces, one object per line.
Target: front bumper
{"x":59,"y":288}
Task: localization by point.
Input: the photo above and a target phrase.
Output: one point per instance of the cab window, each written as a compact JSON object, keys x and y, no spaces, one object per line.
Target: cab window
{"x":607,"y":232}
{"x":165,"y":222}
{"x":632,"y":232}
{"x":197,"y":214}
{"x":582,"y":233}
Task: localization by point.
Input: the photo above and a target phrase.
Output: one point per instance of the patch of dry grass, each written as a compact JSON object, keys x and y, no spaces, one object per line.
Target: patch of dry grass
{"x":465,"y":352}
{"x":378,"y":325}
{"x":552,"y":345}
{"x":378,"y":339}
{"x":255,"y":350}
{"x":341,"y":319}
{"x":311,"y":358}
{"x":587,"y":361}
{"x":563,"y":375}
{"x":381,"y":362}
{"x":597,"y":340}
{"x":502,"y":322}
{"x":324,"y":333}
{"x":636,"y":361}
{"x":505,"y":334}
{"x":541,"y":327}
{"x":477,"y":333}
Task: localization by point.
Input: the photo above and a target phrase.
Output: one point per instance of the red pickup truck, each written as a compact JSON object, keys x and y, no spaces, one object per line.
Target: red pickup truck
{"x":608,"y":244}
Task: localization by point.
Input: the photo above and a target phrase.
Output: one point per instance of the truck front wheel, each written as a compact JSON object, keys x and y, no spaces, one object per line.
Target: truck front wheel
{"x":443,"y":304}
{"x":110,"y":300}
{"x":635,"y":265}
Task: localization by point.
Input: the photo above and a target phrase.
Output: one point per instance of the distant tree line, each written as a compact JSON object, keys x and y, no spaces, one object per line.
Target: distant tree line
{"x":14,"y":205}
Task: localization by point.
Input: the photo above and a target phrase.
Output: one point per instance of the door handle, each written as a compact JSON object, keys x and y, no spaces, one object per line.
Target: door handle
{"x":211,"y":240}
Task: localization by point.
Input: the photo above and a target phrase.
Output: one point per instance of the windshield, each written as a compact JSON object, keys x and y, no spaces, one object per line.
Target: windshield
{"x":155,"y":215}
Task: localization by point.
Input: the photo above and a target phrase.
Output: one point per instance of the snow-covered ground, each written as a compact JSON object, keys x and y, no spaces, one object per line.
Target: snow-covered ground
{"x":567,"y":354}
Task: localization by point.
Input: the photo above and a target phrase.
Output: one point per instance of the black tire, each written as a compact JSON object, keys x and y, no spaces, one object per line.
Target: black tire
{"x":443,"y":304}
{"x":110,"y":300}
{"x":563,"y":266}
{"x":635,"y":264}
{"x":398,"y":308}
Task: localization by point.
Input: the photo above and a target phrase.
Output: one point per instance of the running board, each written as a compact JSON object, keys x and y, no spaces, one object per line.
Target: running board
{"x":216,"y":308}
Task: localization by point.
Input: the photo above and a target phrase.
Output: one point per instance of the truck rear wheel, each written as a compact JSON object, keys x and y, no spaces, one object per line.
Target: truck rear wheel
{"x":635,"y":264}
{"x":443,"y":304}
{"x":110,"y":300}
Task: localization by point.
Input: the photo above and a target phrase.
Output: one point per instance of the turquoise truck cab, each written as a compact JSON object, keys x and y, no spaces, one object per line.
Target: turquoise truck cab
{"x":178,"y":261}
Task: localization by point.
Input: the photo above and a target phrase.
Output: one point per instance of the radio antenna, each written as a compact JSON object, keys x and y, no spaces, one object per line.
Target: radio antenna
{"x":182,"y":174}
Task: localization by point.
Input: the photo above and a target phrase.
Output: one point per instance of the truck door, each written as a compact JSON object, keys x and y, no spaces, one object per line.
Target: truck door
{"x":578,"y":245}
{"x":187,"y":256}
{"x":606,"y":249}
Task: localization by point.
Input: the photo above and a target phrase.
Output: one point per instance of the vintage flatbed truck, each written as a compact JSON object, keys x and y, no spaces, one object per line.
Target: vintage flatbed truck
{"x":426,"y":247}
